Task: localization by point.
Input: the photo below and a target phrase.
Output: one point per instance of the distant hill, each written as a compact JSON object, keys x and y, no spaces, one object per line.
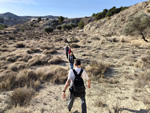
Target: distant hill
{"x":12,"y":19}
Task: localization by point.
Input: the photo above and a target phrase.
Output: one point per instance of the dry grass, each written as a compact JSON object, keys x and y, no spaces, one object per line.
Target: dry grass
{"x":38,"y":60}
{"x":99,"y":103}
{"x":18,"y":110}
{"x":33,"y":50}
{"x":143,"y":62}
{"x":21,"y":96}
{"x":75,"y":46}
{"x":17,"y":66}
{"x":20,"y":45}
{"x":116,"y":109}
{"x":97,"y":69}
{"x":54,"y":74}
{"x":25,"y":58}
{"x":56,"y":60}
{"x":48,"y":52}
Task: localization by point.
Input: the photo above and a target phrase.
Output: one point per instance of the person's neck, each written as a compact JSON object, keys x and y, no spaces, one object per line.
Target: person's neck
{"x":78,"y":66}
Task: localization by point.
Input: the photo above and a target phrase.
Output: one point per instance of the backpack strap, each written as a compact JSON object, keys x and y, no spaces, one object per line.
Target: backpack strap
{"x":76,"y":72}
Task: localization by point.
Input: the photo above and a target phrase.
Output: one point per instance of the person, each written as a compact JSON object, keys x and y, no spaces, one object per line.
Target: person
{"x":67,"y":50}
{"x":71,"y":60}
{"x":71,"y":81}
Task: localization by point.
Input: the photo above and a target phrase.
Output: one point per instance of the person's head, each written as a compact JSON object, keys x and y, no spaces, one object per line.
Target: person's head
{"x":77,"y":62}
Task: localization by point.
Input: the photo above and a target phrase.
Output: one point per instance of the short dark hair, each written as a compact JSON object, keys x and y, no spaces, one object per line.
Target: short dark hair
{"x":77,"y":62}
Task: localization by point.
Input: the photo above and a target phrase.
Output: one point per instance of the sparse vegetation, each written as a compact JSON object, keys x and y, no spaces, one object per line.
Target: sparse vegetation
{"x":61,"y":19}
{"x":81,"y":24}
{"x":21,"y":96}
{"x":138,"y":25}
{"x":108,"y":13}
{"x":48,"y":29}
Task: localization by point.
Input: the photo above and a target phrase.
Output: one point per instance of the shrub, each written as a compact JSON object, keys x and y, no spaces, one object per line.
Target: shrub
{"x":2,"y":26}
{"x":21,"y":96}
{"x":97,"y":69}
{"x":138,"y":25}
{"x":61,"y":19}
{"x":39,"y":19}
{"x":20,"y":45}
{"x":81,"y":24}
{"x":56,"y":60}
{"x":59,"y":27}
{"x":48,"y":29}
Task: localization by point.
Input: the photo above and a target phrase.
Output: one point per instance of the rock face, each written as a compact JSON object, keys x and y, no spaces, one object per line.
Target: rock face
{"x":115,"y":24}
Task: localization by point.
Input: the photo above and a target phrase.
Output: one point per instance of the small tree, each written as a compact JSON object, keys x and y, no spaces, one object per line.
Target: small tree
{"x":61,"y":19}
{"x":138,"y":25}
{"x":48,"y":29}
{"x":39,"y":19}
{"x":81,"y":24}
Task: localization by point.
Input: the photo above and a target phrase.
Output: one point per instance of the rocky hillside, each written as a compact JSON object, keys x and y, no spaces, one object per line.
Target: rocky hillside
{"x":114,"y":25}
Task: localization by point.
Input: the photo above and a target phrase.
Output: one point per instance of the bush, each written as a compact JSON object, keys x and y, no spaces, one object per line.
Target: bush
{"x":61,"y":19}
{"x":97,"y":69}
{"x":48,"y":29}
{"x":138,"y":26}
{"x":2,"y":26}
{"x":39,"y":19}
{"x":59,"y":27}
{"x":21,"y":96}
{"x":81,"y":24}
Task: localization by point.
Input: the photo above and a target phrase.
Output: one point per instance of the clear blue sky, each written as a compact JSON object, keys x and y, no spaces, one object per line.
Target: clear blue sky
{"x":66,"y":8}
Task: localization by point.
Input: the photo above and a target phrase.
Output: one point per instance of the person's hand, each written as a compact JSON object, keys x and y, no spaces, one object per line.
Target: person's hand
{"x":64,"y":95}
{"x":89,"y":86}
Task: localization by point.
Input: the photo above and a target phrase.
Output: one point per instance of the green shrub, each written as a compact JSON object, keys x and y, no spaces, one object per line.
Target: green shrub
{"x":138,"y":26}
{"x":81,"y":24}
{"x":2,"y":26}
{"x":48,"y":29}
{"x":39,"y":19}
{"x":59,"y":27}
{"x":61,"y":19}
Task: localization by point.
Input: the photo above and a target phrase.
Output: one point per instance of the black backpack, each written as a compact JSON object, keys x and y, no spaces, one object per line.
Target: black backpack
{"x":78,"y":85}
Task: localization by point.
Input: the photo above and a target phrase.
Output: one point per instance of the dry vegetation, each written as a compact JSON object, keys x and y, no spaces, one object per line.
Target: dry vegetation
{"x":34,"y":68}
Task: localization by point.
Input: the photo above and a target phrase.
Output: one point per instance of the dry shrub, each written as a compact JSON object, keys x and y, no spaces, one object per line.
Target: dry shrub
{"x":20,"y":45}
{"x":75,"y":46}
{"x":17,"y":66}
{"x":18,"y":110}
{"x":97,"y":69}
{"x":39,"y":60}
{"x":25,"y":58}
{"x":56,"y":60}
{"x":13,"y":58}
{"x":48,"y":52}
{"x":116,"y":109}
{"x":7,"y":79}
{"x":143,"y":80}
{"x":21,"y":96}
{"x":33,"y":50}
{"x":53,"y":73}
{"x":95,"y":38}
{"x":99,"y":103}
{"x":143,"y":62}
{"x":148,"y":10}
{"x":47,"y":47}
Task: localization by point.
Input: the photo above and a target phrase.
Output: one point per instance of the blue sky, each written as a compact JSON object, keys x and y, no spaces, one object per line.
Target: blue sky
{"x":66,"y":8}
